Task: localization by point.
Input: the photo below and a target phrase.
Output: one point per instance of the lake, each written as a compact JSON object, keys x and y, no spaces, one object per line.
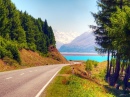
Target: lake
{"x":84,"y":57}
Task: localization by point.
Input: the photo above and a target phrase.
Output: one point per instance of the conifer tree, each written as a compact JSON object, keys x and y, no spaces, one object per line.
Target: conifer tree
{"x":46,"y":32}
{"x":103,"y":38}
{"x":20,"y":30}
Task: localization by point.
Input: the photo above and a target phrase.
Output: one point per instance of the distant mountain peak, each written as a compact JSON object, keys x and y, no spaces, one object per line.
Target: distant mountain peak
{"x":83,"y":43}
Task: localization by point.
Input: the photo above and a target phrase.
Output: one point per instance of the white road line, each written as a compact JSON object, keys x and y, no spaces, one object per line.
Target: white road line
{"x":40,"y":92}
{"x":22,"y":74}
{"x":9,"y":78}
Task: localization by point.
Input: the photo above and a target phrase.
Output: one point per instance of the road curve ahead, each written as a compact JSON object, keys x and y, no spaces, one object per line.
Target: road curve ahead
{"x":26,"y":82}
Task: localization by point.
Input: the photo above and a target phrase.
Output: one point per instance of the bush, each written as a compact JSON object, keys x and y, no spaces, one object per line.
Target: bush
{"x":9,"y":49}
{"x":10,"y":61}
{"x":4,"y":53}
{"x":15,"y":52}
{"x":90,"y":64}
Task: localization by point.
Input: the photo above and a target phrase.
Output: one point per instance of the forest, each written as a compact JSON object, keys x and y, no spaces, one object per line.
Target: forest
{"x":113,"y":36}
{"x":19,"y":30}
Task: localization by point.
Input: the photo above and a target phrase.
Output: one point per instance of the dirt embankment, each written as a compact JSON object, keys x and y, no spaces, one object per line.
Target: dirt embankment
{"x":30,"y":58}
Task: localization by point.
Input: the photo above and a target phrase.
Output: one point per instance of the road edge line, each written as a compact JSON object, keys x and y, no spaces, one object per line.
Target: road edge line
{"x":40,"y":92}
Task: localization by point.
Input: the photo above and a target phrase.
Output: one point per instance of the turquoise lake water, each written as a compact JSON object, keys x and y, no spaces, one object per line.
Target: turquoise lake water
{"x":84,"y":58}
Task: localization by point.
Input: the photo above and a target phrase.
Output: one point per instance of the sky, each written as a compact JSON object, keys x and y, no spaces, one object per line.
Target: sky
{"x":62,"y":15}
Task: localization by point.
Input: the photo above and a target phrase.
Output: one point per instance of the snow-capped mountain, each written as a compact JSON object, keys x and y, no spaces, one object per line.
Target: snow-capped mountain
{"x":64,"y":38}
{"x":82,"y":43}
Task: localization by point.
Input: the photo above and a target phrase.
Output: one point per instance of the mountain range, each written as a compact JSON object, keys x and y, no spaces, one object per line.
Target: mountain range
{"x":83,"y":43}
{"x":64,"y":37}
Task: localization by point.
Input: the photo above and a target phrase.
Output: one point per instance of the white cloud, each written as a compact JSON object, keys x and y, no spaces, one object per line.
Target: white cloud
{"x":65,"y":37}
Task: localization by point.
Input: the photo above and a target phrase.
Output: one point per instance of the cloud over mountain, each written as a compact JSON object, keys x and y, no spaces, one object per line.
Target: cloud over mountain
{"x":64,"y":38}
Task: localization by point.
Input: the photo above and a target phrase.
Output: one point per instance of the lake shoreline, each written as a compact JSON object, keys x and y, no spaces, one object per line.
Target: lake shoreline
{"x":81,"y":54}
{"x":85,"y":56}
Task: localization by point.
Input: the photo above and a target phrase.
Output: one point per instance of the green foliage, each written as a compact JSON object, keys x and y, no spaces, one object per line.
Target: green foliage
{"x":9,"y":49}
{"x":4,"y":52}
{"x":77,"y":90}
{"x":113,"y":60}
{"x":119,"y":29}
{"x":113,"y":30}
{"x":90,"y":64}
{"x":15,"y":52}
{"x":102,"y":74}
{"x":20,"y":30}
{"x":73,"y":86}
{"x":66,"y":70}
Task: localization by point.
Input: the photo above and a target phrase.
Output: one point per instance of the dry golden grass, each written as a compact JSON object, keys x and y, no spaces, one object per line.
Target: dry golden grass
{"x":30,"y":58}
{"x":5,"y":67}
{"x":101,"y":66}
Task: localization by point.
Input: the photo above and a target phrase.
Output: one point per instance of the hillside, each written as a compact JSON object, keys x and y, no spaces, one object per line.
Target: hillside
{"x":78,"y":82}
{"x":21,"y":36}
{"x":83,"y":43}
{"x":30,"y":58}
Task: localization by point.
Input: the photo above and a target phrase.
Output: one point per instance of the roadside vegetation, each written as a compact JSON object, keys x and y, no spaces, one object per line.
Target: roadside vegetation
{"x":19,"y":30}
{"x":113,"y":37}
{"x":75,"y":81}
{"x":24,"y":40}
{"x":31,"y":59}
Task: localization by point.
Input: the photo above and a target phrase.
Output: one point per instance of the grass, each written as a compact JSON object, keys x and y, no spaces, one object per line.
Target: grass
{"x":31,"y":59}
{"x":67,"y":84}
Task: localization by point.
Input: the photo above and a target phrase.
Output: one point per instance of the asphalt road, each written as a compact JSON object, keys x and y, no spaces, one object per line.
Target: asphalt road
{"x":26,"y":82}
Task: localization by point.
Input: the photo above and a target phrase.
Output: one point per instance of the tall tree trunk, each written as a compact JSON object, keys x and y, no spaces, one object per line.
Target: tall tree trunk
{"x":117,"y":69}
{"x":108,"y":74}
{"x":122,"y":69}
{"x":111,"y":71}
{"x":121,"y":4}
{"x":127,"y":77}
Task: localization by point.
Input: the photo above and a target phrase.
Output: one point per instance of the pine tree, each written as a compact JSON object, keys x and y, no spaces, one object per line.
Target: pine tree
{"x":119,"y":29}
{"x":14,"y":25}
{"x":46,"y":32}
{"x":40,"y":37}
{"x":20,"y":30}
{"x":28,"y":26}
{"x":103,"y":37}
{"x":102,"y":19}
{"x":51,"y":36}
{"x":4,"y":29}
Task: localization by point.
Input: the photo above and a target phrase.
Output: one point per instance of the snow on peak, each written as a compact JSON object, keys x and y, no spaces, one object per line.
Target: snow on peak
{"x":65,"y":37}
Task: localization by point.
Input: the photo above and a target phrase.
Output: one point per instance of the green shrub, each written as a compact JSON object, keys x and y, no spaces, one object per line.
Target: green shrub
{"x":90,"y":64}
{"x":66,"y":69}
{"x":10,"y":61}
{"x":4,"y":53}
{"x":32,"y":46}
{"x":15,"y":52}
{"x":102,"y":74}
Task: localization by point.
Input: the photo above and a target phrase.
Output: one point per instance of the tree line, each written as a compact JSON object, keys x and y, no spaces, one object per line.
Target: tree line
{"x":20,"y":30}
{"x":112,"y":34}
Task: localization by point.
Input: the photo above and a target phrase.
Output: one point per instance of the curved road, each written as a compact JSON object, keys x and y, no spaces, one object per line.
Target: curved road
{"x":26,"y":82}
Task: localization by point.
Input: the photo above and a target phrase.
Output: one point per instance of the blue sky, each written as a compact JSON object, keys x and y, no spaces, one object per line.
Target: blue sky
{"x":62,"y":15}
